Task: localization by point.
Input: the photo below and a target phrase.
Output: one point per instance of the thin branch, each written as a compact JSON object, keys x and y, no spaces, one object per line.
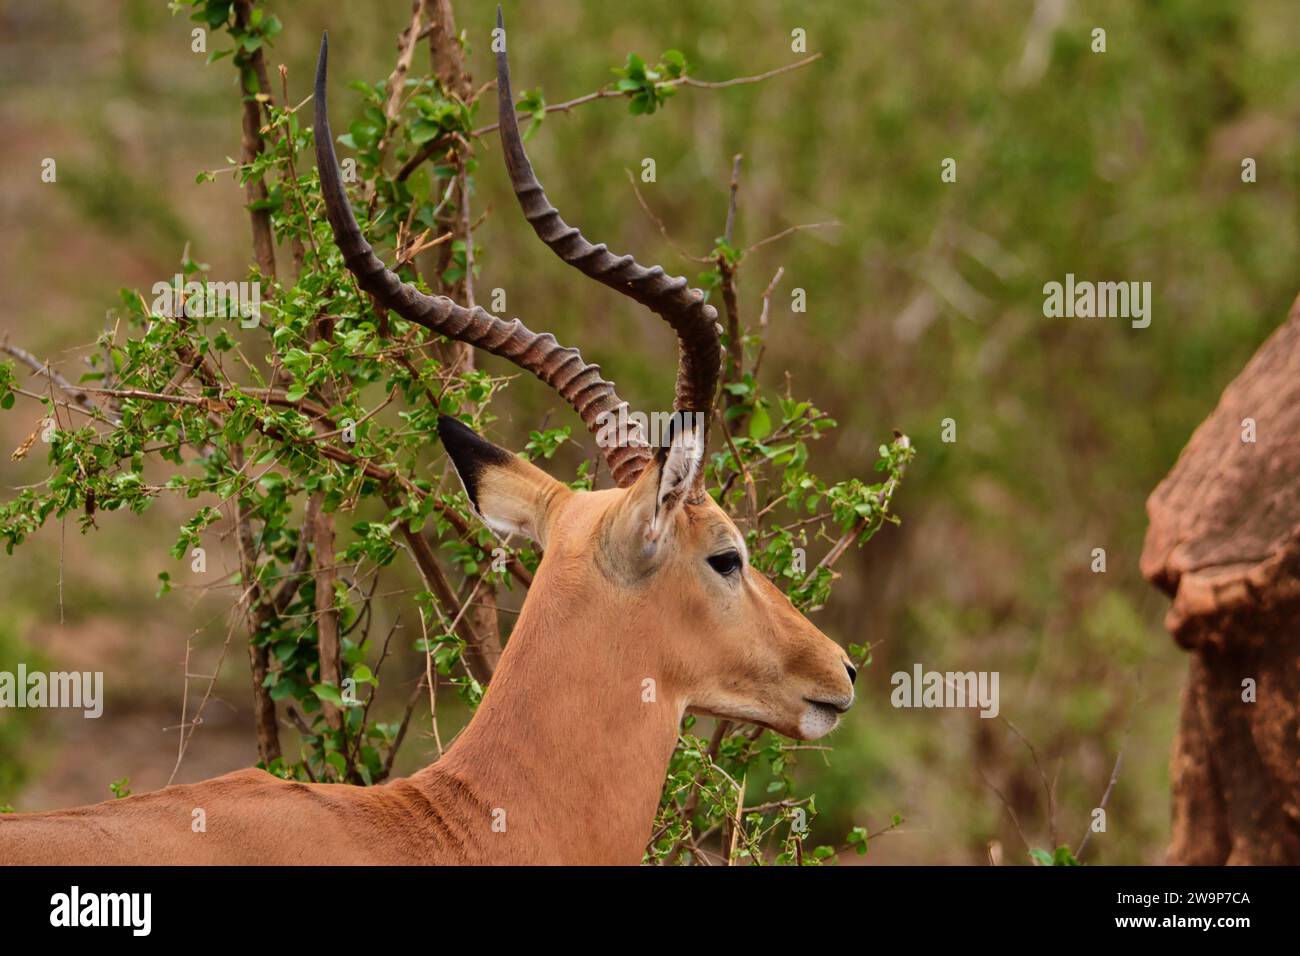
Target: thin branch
{"x":790,"y":230}
{"x":659,"y":224}
{"x":187,"y":728}
{"x":254,"y":65}
{"x":763,"y":319}
{"x":742,"y":80}
{"x":401,"y":730}
{"x":729,"y":232}
{"x":432,"y":681}
{"x":1110,"y":786}
{"x":425,"y":152}
{"x":258,"y":614}
{"x":734,"y":365}
{"x":608,"y":92}
{"x":319,"y":526}
{"x":481,"y":651}
{"x":1010,"y":810}
{"x":75,"y":392}
{"x":406,"y":44}
{"x":1042,"y":775}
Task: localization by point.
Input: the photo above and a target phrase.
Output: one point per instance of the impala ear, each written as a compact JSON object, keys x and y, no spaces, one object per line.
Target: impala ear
{"x":643,"y":519}
{"x":669,"y":482}
{"x":511,"y":495}
{"x":679,"y":462}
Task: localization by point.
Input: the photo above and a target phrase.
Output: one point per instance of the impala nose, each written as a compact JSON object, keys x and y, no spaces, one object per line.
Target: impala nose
{"x":853,"y":672}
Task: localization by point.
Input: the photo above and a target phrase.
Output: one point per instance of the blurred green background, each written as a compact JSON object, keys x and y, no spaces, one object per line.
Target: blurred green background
{"x":925,"y":304}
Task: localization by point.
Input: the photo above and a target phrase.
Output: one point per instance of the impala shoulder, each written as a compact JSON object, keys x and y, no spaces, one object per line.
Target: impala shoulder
{"x":249,"y":776}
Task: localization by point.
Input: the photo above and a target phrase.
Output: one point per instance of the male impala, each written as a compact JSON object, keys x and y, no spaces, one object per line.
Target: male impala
{"x":565,"y":759}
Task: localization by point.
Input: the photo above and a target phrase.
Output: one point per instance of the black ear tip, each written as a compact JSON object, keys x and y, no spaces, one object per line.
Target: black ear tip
{"x":453,"y":431}
{"x":446,"y":423}
{"x":463,"y":443}
{"x":469,"y":452}
{"x":680,"y":422}
{"x":455,"y":434}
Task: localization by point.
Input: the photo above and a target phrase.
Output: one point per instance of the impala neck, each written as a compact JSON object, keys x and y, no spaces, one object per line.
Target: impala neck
{"x":564,"y":741}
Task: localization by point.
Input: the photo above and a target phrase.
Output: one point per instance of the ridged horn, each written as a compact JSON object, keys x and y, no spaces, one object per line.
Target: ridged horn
{"x":671,"y":297}
{"x":563,"y":369}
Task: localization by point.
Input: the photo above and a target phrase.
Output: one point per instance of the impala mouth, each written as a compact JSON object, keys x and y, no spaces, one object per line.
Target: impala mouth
{"x":817,"y":718}
{"x":834,"y":706}
{"x":820,"y":717}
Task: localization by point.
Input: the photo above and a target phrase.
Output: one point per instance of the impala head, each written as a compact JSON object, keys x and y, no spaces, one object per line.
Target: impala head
{"x":667,"y":572}
{"x":655,"y":556}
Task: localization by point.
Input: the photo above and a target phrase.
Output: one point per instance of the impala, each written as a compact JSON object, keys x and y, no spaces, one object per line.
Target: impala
{"x":565,"y":759}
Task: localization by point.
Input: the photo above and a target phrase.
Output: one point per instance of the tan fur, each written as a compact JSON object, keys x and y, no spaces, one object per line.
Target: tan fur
{"x":563,"y":742}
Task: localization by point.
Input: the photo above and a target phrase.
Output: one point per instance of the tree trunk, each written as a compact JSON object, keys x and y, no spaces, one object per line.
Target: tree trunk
{"x":1224,"y":543}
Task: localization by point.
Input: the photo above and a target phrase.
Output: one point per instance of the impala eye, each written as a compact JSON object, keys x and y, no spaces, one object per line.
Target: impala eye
{"x":728,"y":562}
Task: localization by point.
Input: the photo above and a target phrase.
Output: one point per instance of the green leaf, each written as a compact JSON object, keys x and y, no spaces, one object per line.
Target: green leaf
{"x":328,"y":693}
{"x":675,"y":62}
{"x":1064,"y":856}
{"x":423,"y":130}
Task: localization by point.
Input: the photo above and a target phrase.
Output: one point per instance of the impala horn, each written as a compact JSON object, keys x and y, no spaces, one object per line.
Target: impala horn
{"x":563,"y":369}
{"x":682,"y":307}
